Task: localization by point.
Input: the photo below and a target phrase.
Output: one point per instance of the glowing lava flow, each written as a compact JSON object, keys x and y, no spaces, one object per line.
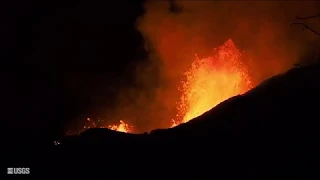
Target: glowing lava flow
{"x":208,"y":82}
{"x":212,"y":80}
{"x":122,"y":127}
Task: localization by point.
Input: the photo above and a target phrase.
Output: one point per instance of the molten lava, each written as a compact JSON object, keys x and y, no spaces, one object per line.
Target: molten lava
{"x":212,"y":80}
{"x":207,"y":82}
{"x":122,"y":127}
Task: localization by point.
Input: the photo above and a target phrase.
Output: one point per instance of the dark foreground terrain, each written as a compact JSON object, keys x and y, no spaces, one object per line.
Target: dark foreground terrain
{"x":273,"y":130}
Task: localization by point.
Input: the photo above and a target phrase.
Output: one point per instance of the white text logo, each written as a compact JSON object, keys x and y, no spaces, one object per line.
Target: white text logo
{"x":18,"y":171}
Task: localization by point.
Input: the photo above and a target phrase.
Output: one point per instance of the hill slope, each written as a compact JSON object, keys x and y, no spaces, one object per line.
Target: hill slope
{"x":271,"y":130}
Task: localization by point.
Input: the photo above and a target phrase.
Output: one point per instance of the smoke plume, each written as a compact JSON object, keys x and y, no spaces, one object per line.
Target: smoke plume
{"x":175,"y":31}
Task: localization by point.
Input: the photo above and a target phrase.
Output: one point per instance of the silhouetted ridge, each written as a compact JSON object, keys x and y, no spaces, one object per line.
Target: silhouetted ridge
{"x":271,"y":130}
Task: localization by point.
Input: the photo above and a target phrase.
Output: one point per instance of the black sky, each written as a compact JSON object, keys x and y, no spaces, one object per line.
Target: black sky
{"x":64,"y":59}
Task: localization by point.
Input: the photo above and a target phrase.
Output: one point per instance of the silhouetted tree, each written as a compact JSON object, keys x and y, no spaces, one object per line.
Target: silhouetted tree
{"x":305,"y":26}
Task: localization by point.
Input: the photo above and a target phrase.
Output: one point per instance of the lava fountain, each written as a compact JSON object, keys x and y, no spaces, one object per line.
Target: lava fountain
{"x":207,"y":82}
{"x":212,"y":80}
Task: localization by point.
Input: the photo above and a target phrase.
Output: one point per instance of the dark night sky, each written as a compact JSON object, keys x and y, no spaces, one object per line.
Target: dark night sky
{"x":65,"y":58}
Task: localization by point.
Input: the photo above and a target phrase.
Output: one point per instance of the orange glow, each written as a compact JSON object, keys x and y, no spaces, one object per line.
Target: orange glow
{"x":207,"y":82}
{"x":212,"y":80}
{"x":122,"y":127}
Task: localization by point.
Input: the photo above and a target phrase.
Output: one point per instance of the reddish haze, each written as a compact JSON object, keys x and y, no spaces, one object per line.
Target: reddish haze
{"x":207,"y":82}
{"x":260,"y":30}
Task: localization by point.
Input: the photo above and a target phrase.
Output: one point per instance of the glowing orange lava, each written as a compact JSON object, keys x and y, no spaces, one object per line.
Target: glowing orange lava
{"x":122,"y":127}
{"x":207,"y":82}
{"x":212,"y":80}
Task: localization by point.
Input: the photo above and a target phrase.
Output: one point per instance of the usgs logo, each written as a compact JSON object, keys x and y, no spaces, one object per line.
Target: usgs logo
{"x":18,"y":171}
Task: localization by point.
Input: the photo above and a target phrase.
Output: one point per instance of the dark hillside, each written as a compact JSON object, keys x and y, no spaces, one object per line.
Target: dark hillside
{"x":271,"y":130}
